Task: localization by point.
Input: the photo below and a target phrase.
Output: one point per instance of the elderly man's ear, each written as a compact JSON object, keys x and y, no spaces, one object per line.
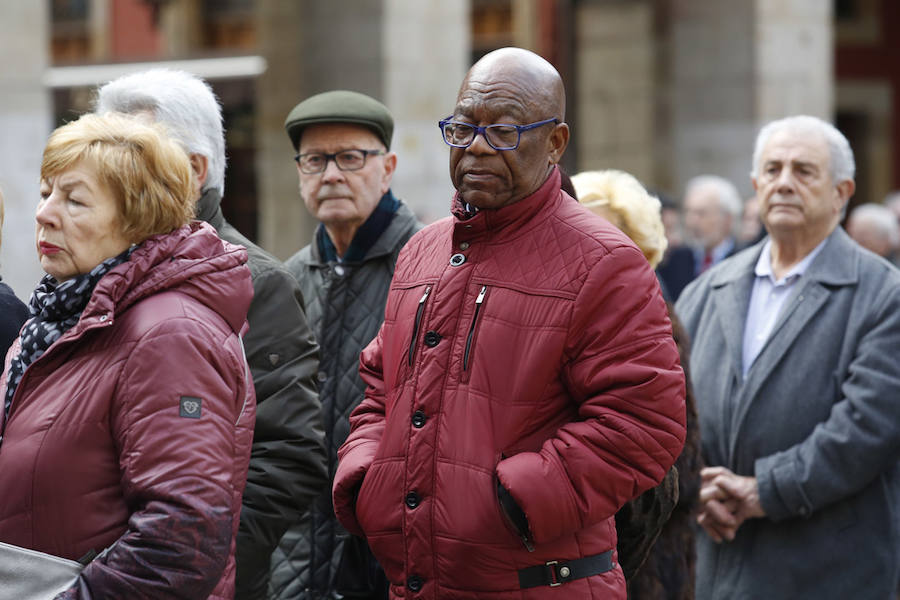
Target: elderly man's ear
{"x":200,"y":166}
{"x":845,"y":189}
{"x":557,"y":142}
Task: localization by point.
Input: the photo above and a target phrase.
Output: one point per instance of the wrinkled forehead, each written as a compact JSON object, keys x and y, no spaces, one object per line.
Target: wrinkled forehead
{"x":472,"y":101}
{"x":502,"y":89}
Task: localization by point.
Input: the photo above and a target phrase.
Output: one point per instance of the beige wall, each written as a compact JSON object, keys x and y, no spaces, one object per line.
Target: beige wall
{"x":426,"y":56}
{"x":614,"y":123}
{"x":410,"y":55}
{"x":670,"y":89}
{"x":736,"y":65}
{"x":25,"y":122}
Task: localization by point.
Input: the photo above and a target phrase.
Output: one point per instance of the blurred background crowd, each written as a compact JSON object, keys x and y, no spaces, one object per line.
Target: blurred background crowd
{"x":668,"y":90}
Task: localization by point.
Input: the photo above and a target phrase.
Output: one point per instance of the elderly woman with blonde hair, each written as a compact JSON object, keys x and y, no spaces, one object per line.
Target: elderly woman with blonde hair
{"x":668,"y":571}
{"x":127,"y":405}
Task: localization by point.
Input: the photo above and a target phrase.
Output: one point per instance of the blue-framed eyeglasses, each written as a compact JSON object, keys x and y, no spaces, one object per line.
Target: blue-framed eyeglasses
{"x":499,"y":137}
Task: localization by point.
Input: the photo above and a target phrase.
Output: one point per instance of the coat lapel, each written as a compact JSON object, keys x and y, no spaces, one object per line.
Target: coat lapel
{"x":731,"y":294}
{"x":834,"y":266}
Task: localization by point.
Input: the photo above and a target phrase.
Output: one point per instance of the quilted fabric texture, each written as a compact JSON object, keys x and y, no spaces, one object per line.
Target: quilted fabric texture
{"x":96,"y":452}
{"x":345,"y":307}
{"x":528,"y":345}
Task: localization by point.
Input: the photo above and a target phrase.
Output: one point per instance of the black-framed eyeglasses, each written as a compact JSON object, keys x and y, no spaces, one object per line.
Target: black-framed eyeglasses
{"x":346,"y":160}
{"x":499,"y":136}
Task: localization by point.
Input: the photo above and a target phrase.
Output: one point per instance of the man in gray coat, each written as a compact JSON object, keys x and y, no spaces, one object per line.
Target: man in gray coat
{"x":287,"y":463}
{"x":345,"y":166}
{"x":797,"y":381}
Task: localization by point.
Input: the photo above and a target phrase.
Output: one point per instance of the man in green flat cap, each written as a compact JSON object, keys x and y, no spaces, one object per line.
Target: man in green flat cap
{"x":342,"y":141}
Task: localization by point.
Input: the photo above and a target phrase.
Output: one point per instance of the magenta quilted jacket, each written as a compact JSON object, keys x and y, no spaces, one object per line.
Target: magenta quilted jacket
{"x":528,"y":345}
{"x":133,"y":430}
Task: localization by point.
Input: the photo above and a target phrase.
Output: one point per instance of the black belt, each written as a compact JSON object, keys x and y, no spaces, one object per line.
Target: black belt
{"x":554,"y":573}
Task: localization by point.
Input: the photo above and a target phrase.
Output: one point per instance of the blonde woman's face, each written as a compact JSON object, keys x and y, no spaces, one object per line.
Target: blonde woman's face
{"x":78,"y":225}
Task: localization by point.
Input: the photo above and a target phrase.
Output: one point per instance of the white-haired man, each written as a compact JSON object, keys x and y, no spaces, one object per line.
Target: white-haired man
{"x":874,"y":226}
{"x":712,"y":212}
{"x":287,"y":464}
{"x":794,"y":368}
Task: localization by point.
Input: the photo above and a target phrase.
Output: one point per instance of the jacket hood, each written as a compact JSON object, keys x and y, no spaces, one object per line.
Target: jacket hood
{"x":192,"y":260}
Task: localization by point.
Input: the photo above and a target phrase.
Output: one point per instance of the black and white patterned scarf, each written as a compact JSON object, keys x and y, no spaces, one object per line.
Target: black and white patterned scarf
{"x":55,"y":308}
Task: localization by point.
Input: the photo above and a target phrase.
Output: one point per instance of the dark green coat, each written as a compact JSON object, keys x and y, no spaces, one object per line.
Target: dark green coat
{"x":287,"y":467}
{"x":345,"y":305}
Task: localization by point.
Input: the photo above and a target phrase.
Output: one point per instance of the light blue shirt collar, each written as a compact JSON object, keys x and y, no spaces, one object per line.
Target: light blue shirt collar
{"x":764,"y":263}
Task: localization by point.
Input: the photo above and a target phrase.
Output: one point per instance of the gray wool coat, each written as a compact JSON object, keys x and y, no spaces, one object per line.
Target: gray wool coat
{"x":817,"y":421}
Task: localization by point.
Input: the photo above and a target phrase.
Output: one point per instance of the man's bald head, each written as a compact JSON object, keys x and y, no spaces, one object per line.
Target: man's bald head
{"x":537,"y":83}
{"x":510,"y":86}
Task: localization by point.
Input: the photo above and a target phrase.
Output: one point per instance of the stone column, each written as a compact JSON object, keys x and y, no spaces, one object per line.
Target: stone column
{"x":284,"y":224}
{"x":426,"y":47}
{"x":181,"y":27}
{"x":736,"y":65}
{"x":615,"y":91}
{"x":410,"y":55}
{"x":25,"y":120}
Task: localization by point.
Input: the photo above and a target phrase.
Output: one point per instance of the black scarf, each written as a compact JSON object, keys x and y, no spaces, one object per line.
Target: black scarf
{"x":55,"y":308}
{"x":365,"y":237}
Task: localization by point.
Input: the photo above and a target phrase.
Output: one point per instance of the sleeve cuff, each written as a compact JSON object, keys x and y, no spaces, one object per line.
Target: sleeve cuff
{"x":780,"y":493}
{"x":531,"y":479}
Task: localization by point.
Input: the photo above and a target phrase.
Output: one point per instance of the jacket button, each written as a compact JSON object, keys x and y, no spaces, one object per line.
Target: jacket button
{"x":432,"y":338}
{"x":322,"y":376}
{"x":339,"y":270}
{"x":464,"y":245}
{"x":418,"y":419}
{"x":412,"y":499}
{"x":414,"y":583}
{"x":457,"y":259}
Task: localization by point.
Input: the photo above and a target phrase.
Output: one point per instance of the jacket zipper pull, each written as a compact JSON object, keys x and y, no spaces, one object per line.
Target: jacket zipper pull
{"x":481,"y":294}
{"x":478,"y":300}
{"x":415,"y":334}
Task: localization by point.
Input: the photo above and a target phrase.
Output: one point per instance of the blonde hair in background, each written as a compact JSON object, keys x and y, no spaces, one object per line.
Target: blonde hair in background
{"x":148,"y":172}
{"x":621,"y":199}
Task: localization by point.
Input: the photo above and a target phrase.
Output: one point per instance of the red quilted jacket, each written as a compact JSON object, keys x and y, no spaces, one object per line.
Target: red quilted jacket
{"x":101,"y":447}
{"x":528,"y":344}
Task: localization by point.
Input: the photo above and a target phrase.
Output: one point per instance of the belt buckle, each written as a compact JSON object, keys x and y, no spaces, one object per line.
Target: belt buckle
{"x":554,"y":580}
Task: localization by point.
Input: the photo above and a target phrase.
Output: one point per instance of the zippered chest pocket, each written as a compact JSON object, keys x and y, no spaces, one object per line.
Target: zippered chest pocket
{"x":470,"y":336}
{"x":420,"y":309}
{"x":516,"y":336}
{"x":404,"y":320}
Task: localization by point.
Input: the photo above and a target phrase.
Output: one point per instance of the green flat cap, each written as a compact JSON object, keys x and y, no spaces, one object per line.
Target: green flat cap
{"x":340,"y":106}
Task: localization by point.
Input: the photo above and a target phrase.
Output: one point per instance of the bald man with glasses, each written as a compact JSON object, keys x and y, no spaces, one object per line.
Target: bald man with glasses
{"x":342,"y":141}
{"x":525,"y":383}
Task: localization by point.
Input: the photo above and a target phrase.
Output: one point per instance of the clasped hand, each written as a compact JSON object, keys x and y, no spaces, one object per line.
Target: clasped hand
{"x":726,"y":501}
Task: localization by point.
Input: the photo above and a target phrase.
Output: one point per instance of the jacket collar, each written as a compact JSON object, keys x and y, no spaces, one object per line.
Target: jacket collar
{"x":508,"y":219}
{"x":209,"y":208}
{"x":835,"y":265}
{"x":191,"y":258}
